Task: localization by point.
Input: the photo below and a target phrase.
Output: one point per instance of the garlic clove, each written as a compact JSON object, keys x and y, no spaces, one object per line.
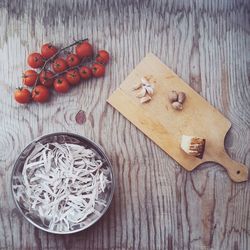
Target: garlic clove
{"x":145,"y":99}
{"x":149,"y":90}
{"x":144,"y":81}
{"x":137,"y":86}
{"x":141,"y":93}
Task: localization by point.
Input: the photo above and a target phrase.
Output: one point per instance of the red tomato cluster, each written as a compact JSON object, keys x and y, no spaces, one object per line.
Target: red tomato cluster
{"x":59,"y":72}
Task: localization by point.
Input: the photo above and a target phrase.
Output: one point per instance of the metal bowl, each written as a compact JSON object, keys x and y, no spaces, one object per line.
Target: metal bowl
{"x":64,"y":138}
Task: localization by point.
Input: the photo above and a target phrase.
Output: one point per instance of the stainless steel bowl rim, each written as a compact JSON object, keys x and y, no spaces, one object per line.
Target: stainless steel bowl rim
{"x":112,"y":186}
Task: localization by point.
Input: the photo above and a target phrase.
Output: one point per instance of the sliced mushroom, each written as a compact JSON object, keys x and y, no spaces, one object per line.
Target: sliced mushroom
{"x":192,"y":145}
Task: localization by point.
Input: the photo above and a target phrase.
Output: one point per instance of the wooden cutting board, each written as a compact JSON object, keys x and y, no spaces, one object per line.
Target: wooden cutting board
{"x":165,"y":126}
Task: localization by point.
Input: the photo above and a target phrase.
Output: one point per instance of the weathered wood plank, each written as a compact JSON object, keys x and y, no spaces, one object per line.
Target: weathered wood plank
{"x":157,"y":204}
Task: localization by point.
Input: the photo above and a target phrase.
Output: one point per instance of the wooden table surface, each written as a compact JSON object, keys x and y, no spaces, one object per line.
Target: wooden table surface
{"x":157,"y":204}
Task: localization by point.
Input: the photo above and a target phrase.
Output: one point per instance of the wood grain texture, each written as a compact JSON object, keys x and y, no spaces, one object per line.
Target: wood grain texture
{"x":157,"y":204}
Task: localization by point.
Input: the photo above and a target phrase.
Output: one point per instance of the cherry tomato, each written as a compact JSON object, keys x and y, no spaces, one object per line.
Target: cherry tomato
{"x":102,"y":56}
{"x":46,"y":78}
{"x":85,"y":72}
{"x":84,"y":49}
{"x":29,"y":77}
{"x":73,"y":76}
{"x":35,"y":60}
{"x":40,"y":94}
{"x":61,"y":85}
{"x":22,"y":95}
{"x":59,"y":65}
{"x":98,"y":70}
{"x":48,"y":50}
{"x":72,"y":60}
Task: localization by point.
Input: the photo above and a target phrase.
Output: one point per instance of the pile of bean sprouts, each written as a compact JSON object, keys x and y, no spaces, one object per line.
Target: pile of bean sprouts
{"x":61,"y":184}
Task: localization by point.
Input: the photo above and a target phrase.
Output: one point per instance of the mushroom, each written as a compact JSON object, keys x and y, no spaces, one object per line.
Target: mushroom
{"x":193,"y":145}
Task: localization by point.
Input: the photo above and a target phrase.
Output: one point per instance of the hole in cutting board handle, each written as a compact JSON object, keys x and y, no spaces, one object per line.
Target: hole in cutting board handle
{"x":238,"y":172}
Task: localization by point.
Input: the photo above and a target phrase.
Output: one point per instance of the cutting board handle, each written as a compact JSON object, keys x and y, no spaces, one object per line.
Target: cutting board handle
{"x":237,"y":171}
